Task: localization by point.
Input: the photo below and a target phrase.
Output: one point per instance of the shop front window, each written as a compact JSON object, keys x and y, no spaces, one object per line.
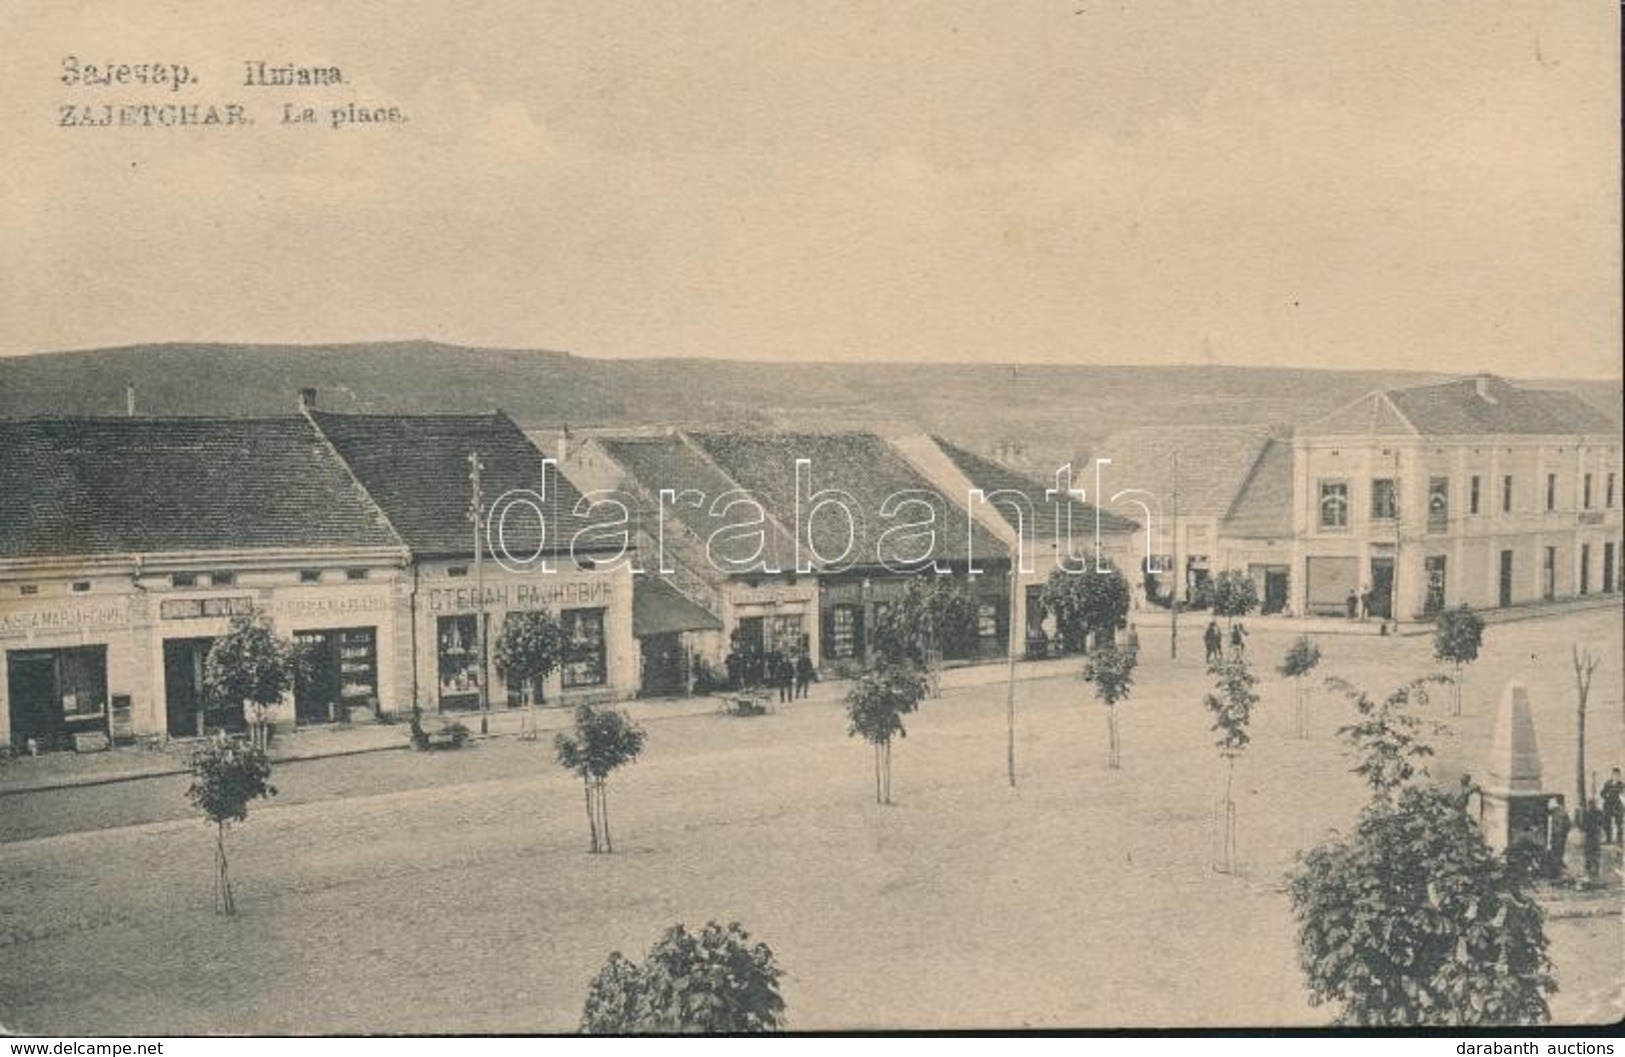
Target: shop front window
{"x":458,"y":651}
{"x":787,"y":633}
{"x":585,"y":663}
{"x":844,"y":626}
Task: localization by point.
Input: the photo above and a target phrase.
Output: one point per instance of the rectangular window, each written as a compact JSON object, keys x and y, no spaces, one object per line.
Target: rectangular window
{"x":81,"y":586}
{"x":310,"y":576}
{"x":785,"y":633}
{"x":1384,"y":499}
{"x":222,"y":579}
{"x":1548,"y":574}
{"x":1506,"y":494}
{"x":457,"y":570}
{"x":844,"y":631}
{"x":1438,"y":504}
{"x":585,"y":663}
{"x":1585,"y":568}
{"x":1608,"y":490}
{"x":183,"y":579}
{"x":1551,"y":492}
{"x":1472,"y":496}
{"x":355,"y":574}
{"x":1334,"y":505}
{"x":28,"y":589}
{"x":1585,"y":499}
{"x":987,"y":621}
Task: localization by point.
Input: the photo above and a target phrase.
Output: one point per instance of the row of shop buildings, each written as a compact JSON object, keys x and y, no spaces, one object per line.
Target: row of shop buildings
{"x":127,"y":546}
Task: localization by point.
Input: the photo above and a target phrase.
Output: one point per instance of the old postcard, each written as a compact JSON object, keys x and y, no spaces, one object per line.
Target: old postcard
{"x":527,"y":518}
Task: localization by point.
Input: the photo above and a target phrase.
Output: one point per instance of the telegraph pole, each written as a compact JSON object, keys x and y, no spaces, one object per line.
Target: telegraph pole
{"x":474,"y":515}
{"x":1010,"y":685}
{"x":1178,"y":572}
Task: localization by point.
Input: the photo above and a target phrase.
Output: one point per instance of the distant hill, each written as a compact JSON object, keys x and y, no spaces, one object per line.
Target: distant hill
{"x":1056,"y":411}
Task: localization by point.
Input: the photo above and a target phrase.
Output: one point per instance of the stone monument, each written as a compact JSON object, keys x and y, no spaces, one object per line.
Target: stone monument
{"x":1514,"y":802}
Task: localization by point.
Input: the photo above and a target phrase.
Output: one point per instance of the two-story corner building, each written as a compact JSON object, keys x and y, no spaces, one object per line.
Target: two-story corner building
{"x":1045,"y":532}
{"x":127,"y":545}
{"x":866,"y":522}
{"x":552,"y":552}
{"x":1474,"y":491}
{"x":1222,"y":497}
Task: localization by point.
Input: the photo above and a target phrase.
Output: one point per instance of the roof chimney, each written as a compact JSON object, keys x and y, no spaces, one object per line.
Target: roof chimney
{"x":1482,"y":384}
{"x":129,"y":399}
{"x":307,"y":399}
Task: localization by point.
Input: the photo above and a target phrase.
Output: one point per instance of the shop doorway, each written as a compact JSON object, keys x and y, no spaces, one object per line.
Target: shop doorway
{"x":1382,"y":588}
{"x":185,"y":707}
{"x":665,"y":672}
{"x":55,"y":694}
{"x":1435,"y":569}
{"x":1277,"y":584}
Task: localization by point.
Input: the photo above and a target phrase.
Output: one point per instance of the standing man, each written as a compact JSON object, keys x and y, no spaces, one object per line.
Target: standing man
{"x":1213,"y":639}
{"x":1613,"y":808}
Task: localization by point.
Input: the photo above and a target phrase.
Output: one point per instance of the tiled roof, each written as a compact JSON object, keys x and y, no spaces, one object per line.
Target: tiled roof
{"x":92,"y":486}
{"x":658,"y":608}
{"x":1263,"y":507}
{"x":861,"y":464}
{"x":416,"y":468}
{"x":1212,"y":462}
{"x":1482,"y":405}
{"x":993,"y":477}
{"x":670,"y":461}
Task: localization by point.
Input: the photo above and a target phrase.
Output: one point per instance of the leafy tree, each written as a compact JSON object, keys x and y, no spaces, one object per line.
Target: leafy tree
{"x":1458,"y":633}
{"x":1412,"y":920}
{"x":1111,"y":672}
{"x":715,"y":983}
{"x":1234,"y":595}
{"x":601,"y":741}
{"x":1301,"y":659}
{"x":934,"y":617}
{"x":249,"y":667}
{"x":527,"y":651}
{"x":1084,"y":602}
{"x":875,"y":707}
{"x":226,"y":776}
{"x":1231,"y":702}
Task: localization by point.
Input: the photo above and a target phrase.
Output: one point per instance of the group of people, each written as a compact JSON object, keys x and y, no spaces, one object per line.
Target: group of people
{"x":1601,"y":822}
{"x":1359,"y":604}
{"x":791,"y":674}
{"x":1213,"y":639}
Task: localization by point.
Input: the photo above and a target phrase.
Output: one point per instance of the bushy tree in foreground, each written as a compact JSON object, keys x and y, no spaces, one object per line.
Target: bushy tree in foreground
{"x":1084,"y":602}
{"x":875,"y":707}
{"x":530,"y":646}
{"x":249,"y":667}
{"x":601,"y":741}
{"x":1458,"y":633}
{"x":1231,"y":701}
{"x":1234,"y":595}
{"x":717,"y":982}
{"x":1412,"y":919}
{"x":1111,"y":673}
{"x":1301,"y":659}
{"x":226,"y":776}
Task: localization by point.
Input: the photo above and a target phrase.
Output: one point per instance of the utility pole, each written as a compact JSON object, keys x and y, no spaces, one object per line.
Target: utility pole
{"x":1178,"y":572}
{"x":1010,"y":685}
{"x":474,"y":515}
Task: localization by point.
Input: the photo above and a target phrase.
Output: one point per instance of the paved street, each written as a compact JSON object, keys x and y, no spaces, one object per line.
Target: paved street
{"x":457,"y":884}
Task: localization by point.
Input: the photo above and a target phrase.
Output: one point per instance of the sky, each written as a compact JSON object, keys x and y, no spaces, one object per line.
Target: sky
{"x":1308,"y":183}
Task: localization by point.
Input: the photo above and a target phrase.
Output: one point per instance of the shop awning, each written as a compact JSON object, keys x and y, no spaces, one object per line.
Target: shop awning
{"x":658,"y":608}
